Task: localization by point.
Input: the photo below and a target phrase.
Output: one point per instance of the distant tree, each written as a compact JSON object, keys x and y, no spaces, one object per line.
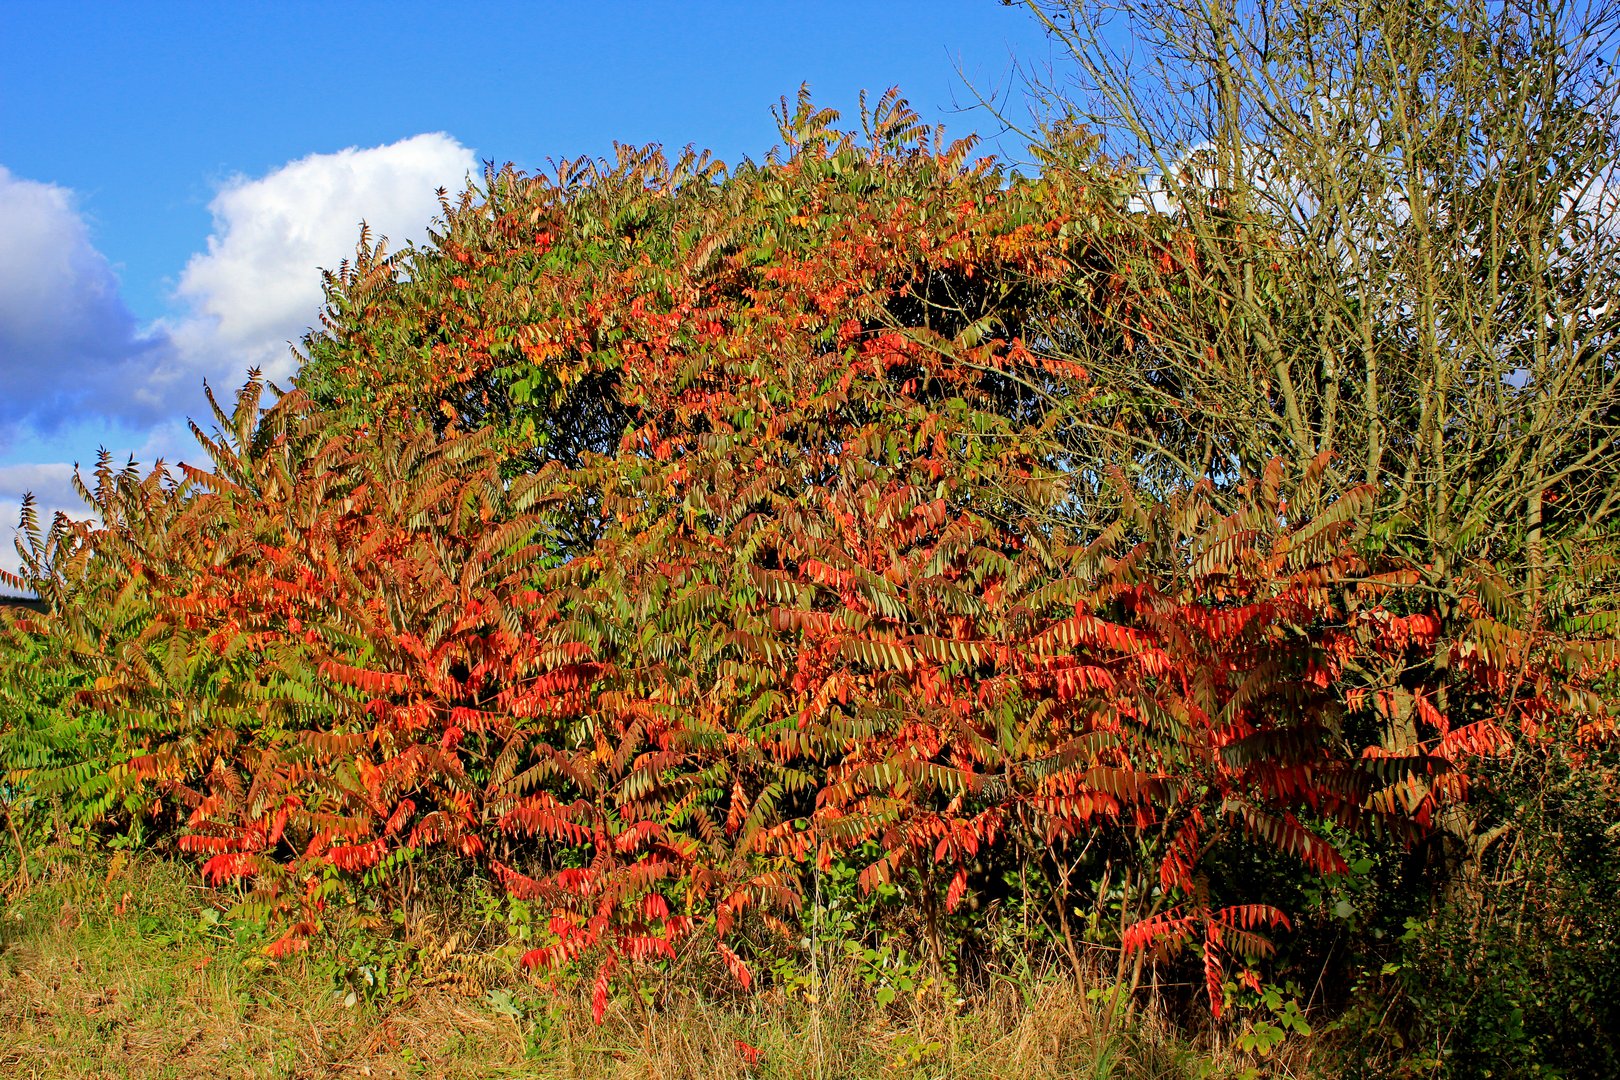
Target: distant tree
{"x":1389,"y":232}
{"x":1396,"y":239}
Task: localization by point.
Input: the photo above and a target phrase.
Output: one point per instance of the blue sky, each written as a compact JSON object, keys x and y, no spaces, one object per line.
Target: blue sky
{"x":172,"y":174}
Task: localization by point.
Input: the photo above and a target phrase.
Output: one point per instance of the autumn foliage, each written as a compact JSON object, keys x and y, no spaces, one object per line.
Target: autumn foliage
{"x":663,"y":534}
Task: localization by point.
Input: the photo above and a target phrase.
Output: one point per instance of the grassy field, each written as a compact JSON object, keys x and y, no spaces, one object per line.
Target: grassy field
{"x":111,"y":968}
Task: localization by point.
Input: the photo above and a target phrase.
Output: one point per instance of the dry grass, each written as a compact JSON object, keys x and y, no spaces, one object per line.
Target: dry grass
{"x":121,"y":974}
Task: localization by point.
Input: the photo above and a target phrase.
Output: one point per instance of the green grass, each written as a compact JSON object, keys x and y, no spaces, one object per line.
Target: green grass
{"x":116,"y":968}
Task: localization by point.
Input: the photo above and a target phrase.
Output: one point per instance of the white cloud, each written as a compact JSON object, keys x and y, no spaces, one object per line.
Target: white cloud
{"x":67,"y":340}
{"x":52,"y":484}
{"x":71,"y":348}
{"x":257,"y":287}
{"x":75,"y":361}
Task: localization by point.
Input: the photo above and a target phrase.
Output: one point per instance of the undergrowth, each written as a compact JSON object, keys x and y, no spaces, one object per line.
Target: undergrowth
{"x":115,"y":967}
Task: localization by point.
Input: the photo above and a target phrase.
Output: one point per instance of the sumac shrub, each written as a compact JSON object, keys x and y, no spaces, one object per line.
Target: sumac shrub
{"x":663,"y":533}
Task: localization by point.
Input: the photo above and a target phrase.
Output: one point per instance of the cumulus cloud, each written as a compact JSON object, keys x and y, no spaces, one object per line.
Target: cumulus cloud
{"x":51,"y":484}
{"x":256,"y":288}
{"x":75,"y":360}
{"x":70,"y":346}
{"x":67,"y":340}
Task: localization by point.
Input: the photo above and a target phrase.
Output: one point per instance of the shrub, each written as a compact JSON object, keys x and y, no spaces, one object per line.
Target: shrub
{"x":662,"y":534}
